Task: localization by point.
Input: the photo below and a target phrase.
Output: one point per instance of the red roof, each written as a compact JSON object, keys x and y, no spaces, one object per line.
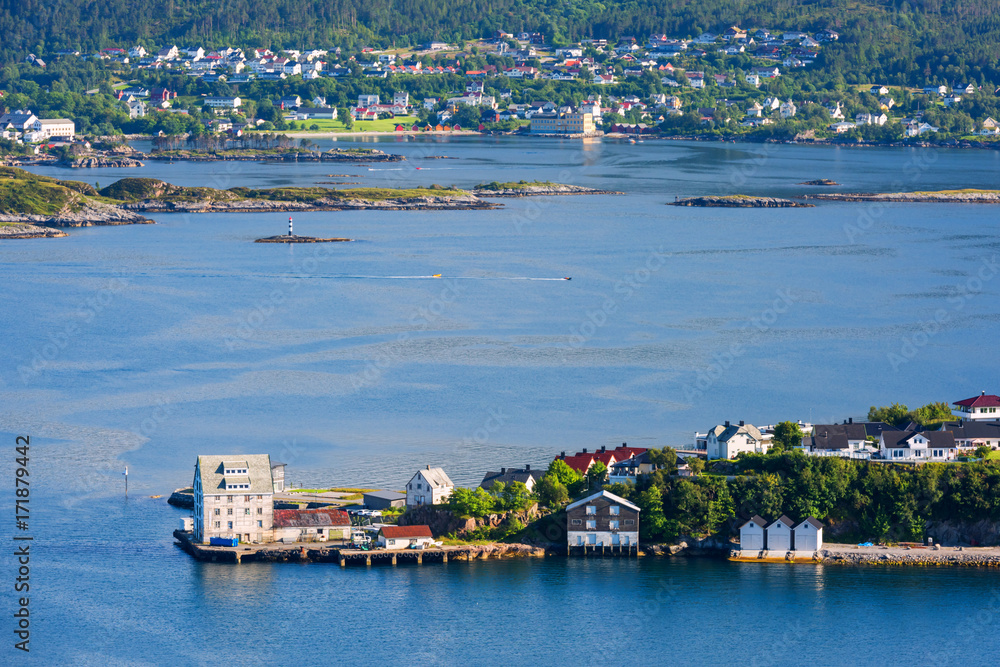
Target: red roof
{"x":310,"y":518}
{"x":607,"y":458}
{"x":396,"y":532}
{"x":581,"y":462}
{"x":622,"y":452}
{"x":984,"y":400}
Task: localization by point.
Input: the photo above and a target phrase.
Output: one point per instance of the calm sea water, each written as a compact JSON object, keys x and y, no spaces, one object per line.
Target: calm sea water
{"x":147,"y":345}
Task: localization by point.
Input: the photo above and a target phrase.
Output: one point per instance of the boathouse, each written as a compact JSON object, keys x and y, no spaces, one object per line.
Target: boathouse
{"x":752,"y":534}
{"x":779,"y":535}
{"x":316,"y":525}
{"x":404,"y":537}
{"x":809,"y":535}
{"x":602,"y":519}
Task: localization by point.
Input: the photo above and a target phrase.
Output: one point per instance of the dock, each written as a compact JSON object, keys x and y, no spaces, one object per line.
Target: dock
{"x":342,"y":553}
{"x":604,"y":551}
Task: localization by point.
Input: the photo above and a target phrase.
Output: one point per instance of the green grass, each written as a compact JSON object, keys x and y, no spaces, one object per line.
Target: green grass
{"x":26,"y":193}
{"x":512,"y":185}
{"x":380,"y":125}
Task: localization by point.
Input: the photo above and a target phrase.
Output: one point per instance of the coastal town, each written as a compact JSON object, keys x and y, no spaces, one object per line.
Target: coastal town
{"x":752,"y":83}
{"x":242,"y":509}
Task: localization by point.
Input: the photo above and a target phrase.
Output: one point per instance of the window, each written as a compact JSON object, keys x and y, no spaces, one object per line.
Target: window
{"x":246,"y":511}
{"x":217,"y":511}
{"x":420,"y":486}
{"x":629,"y":522}
{"x":614,"y":525}
{"x":229,"y":499}
{"x":246,"y":498}
{"x":217,"y":524}
{"x":229,"y":511}
{"x":591,"y":525}
{"x":615,"y":510}
{"x":260,"y":524}
{"x":260,"y":510}
{"x":591,"y":509}
{"x":230,"y":525}
{"x":260,"y":497}
{"x":577,"y":522}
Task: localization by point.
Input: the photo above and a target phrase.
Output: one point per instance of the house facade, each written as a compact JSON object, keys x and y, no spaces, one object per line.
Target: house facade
{"x":525,"y":475}
{"x":985,"y":407}
{"x":779,"y":535}
{"x":233,"y":497}
{"x":602,"y":519}
{"x":809,"y":535}
{"x":54,"y":127}
{"x":726,"y":441}
{"x":910,"y":446}
{"x":404,"y":537}
{"x":317,"y":525}
{"x":752,"y":534}
{"x":430,"y":486}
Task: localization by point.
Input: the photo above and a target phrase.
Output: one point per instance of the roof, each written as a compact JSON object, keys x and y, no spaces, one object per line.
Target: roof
{"x":837,"y":436}
{"x":385,"y":495}
{"x":756,"y":520}
{"x":782,"y":520}
{"x":964,"y":430}
{"x":211,"y":468}
{"x":602,"y":494}
{"x":310,"y":518}
{"x":812,"y":521}
{"x":724,"y":433}
{"x":876,"y":428}
{"x":902,"y":439}
{"x":396,"y":532}
{"x":508,"y":475}
{"x":580,"y":463}
{"x":984,"y":400}
{"x":436,"y":477}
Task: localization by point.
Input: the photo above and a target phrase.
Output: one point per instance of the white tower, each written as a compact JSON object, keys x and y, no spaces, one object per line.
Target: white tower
{"x":290,"y":225}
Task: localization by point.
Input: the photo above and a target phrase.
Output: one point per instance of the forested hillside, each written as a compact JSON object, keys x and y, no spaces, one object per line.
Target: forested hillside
{"x":882,"y":37}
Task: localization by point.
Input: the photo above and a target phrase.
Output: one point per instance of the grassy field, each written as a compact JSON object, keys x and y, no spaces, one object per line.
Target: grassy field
{"x":327,"y":126}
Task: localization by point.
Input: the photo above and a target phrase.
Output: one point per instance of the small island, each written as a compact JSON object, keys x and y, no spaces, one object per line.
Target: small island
{"x":27,"y":198}
{"x":820,"y":181}
{"x":740,"y":201}
{"x":295,"y":238}
{"x":18,"y":230}
{"x":535,"y":188}
{"x":966,"y":196}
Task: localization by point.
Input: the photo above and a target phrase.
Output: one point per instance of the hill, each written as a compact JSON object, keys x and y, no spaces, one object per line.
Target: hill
{"x":884,"y":37}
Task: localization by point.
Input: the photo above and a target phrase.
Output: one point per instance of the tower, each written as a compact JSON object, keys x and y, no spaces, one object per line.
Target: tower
{"x":290,"y":225}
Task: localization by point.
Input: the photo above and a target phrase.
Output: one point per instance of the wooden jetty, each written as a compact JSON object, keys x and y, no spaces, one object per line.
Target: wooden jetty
{"x":604,"y":551}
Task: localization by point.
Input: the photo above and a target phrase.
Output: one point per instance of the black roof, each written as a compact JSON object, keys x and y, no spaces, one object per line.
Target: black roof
{"x":973,"y":429}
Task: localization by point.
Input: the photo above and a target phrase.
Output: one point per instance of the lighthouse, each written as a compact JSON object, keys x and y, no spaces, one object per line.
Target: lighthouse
{"x":290,"y":226}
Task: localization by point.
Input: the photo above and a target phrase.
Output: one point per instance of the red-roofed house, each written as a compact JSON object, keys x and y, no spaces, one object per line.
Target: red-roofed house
{"x":317,"y":525}
{"x":404,"y":537}
{"x":985,"y":407}
{"x":580,"y":463}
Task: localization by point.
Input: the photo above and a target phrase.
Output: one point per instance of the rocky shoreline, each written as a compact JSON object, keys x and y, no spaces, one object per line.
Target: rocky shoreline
{"x":943,"y":197}
{"x":740,"y":201}
{"x":332,"y":155}
{"x":29,"y":231}
{"x":457,"y":203}
{"x":539,"y":190}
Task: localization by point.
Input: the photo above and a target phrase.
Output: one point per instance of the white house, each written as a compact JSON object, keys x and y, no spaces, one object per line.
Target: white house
{"x":430,"y":486}
{"x":842,"y":127}
{"x":233,"y":497}
{"x":753,"y":80}
{"x":918,"y":446}
{"x":779,"y":534}
{"x":223,"y":102}
{"x":367,"y":100}
{"x":985,"y":407}
{"x":725,"y":441}
{"x":602,"y":519}
{"x":809,"y":535}
{"x":871,"y":119}
{"x":752,"y":534}
{"x":404,"y":537}
{"x":990,"y":127}
{"x":54,"y":127}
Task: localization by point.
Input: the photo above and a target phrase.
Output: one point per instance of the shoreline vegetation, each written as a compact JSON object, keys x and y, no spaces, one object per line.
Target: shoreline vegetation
{"x":535,"y":188}
{"x":740,"y":201}
{"x":966,"y":196}
{"x":290,"y":153}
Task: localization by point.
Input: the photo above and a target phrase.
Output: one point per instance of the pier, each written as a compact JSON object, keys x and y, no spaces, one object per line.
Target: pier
{"x":604,"y":551}
{"x":338,"y":552}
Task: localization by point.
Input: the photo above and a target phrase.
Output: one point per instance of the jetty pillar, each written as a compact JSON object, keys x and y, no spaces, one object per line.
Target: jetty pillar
{"x":444,"y":557}
{"x":394,"y":559}
{"x":238,"y":557}
{"x":343,"y":562}
{"x":420,"y":559}
{"x":368,"y":561}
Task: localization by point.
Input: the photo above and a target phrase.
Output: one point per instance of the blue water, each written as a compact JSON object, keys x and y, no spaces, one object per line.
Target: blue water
{"x":147,"y":345}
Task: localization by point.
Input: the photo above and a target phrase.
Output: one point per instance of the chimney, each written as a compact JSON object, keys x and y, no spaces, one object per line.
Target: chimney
{"x":741,"y":422}
{"x":562,"y":455}
{"x":624,"y":444}
{"x":727,"y":423}
{"x":850,"y":420}
{"x":503,"y":471}
{"x":527,"y":467}
{"x":428,"y":466}
{"x":603,"y":449}
{"x":584,"y":450}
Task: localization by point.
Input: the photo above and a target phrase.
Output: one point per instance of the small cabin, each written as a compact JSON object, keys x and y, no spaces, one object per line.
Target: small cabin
{"x":779,"y":534}
{"x":404,"y":537}
{"x":809,"y":535}
{"x":752,"y":534}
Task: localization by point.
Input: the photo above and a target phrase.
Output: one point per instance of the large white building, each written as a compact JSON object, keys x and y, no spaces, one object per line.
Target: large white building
{"x":54,"y":127}
{"x":233,"y":497}
{"x":430,"y":486}
{"x":985,"y":407}
{"x":223,"y":102}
